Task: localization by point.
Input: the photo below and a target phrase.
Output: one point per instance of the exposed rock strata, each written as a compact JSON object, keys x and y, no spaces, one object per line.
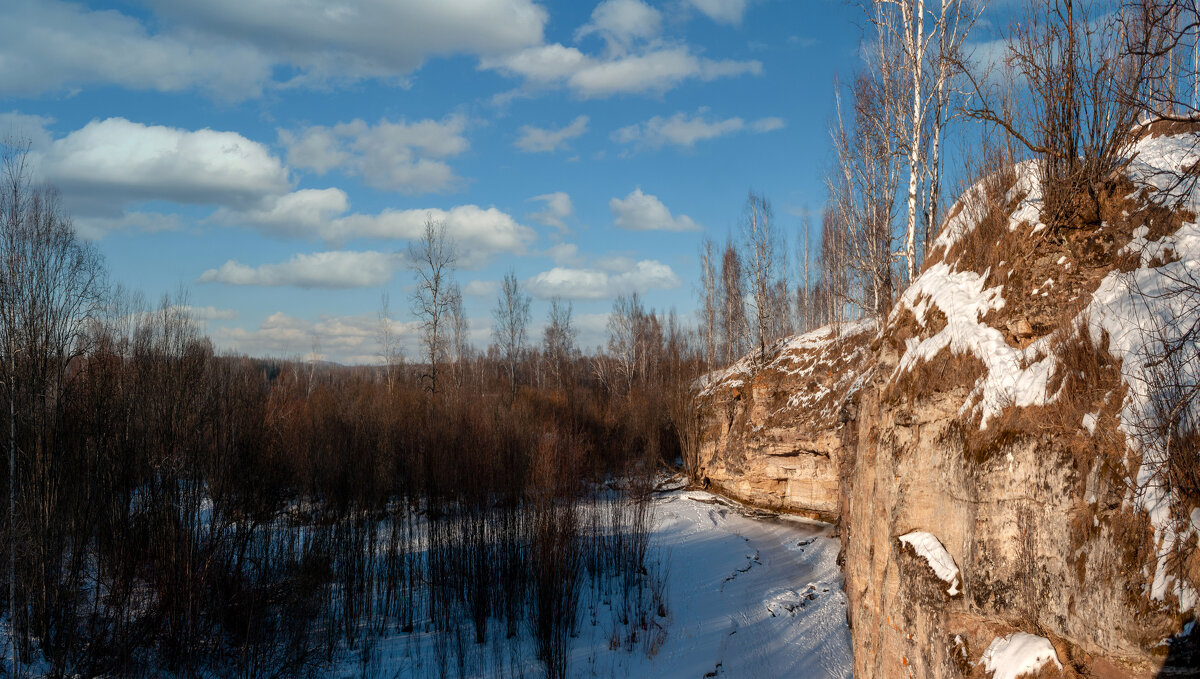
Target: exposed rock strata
{"x":991,"y":409}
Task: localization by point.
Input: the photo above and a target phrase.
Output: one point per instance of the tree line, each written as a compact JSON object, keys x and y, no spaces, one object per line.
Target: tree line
{"x":175,"y":509}
{"x":1073,"y":88}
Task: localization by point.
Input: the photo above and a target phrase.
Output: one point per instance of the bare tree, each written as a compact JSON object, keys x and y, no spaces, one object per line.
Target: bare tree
{"x":1162,"y":37}
{"x":1080,"y":124}
{"x":927,"y":44}
{"x":857,"y":223}
{"x":559,"y":340}
{"x":432,"y":259}
{"x":764,"y":267}
{"x":512,"y":318}
{"x":51,"y":286}
{"x":804,"y":288}
{"x":734,"y":329}
{"x":709,"y":311}
{"x":623,"y":339}
{"x":391,"y":354}
{"x":461,"y":341}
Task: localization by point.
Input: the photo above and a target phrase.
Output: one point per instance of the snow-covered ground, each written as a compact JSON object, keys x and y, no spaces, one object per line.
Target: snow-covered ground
{"x":748,"y":595}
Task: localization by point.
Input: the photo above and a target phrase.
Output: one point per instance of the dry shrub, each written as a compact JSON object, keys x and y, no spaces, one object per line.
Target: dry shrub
{"x":944,"y":372}
{"x":988,"y":203}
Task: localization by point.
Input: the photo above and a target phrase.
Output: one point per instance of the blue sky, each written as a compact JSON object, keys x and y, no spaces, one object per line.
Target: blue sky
{"x":273,"y":157}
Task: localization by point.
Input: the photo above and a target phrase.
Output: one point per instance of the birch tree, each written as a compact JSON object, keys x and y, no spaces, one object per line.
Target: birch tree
{"x":432,"y":258}
{"x":558,"y":342}
{"x":461,"y":330}
{"x":928,"y":44}
{"x":708,"y":284}
{"x":734,"y":328}
{"x":760,"y":237}
{"x":512,"y":319}
{"x":390,"y":353}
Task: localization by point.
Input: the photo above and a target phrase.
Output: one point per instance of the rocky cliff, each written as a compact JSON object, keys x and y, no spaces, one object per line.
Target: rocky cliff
{"x":771,"y":425}
{"x":993,"y":449}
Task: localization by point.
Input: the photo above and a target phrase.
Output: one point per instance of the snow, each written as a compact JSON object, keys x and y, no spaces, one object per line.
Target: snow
{"x":830,"y":363}
{"x":1018,"y":654}
{"x":747,"y":597}
{"x":1011,"y":376}
{"x":927,"y":546}
{"x":1133,"y":309}
{"x":1089,"y":422}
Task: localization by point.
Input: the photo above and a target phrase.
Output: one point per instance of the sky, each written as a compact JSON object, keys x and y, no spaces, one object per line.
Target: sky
{"x":272,"y":158}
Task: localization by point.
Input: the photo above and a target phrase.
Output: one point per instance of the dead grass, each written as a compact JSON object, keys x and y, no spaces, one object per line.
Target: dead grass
{"x":988,"y":198}
{"x":944,"y":372}
{"x":1167,"y":128}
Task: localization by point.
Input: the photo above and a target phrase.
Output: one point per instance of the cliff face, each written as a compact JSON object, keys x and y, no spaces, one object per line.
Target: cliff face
{"x":771,"y":427}
{"x":990,"y":450}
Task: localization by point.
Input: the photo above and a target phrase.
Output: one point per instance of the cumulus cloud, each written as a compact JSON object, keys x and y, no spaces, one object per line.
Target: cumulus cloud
{"x":482,"y":289}
{"x":335,"y":270}
{"x":557,"y":209}
{"x":654,"y":69}
{"x":346,"y":339}
{"x":50,"y":46}
{"x":22,"y":127}
{"x":367,"y":38}
{"x":621,"y":22}
{"x":477,"y":232}
{"x":538,"y":140}
{"x":564,"y":254}
{"x":391,"y":156}
{"x":684,"y":130}
{"x":111,"y":163}
{"x":206,"y":313}
{"x":95,"y":228}
{"x":643,"y":212}
{"x":594,"y":283}
{"x":303,"y":214}
{"x":721,"y":11}
{"x":232,"y":48}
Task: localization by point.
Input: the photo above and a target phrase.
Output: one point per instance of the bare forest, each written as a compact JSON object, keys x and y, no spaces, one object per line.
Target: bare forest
{"x":172,"y":509}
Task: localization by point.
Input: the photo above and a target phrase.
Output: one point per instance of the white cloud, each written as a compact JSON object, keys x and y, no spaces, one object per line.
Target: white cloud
{"x":537,"y":140}
{"x":49,"y":46}
{"x":643,"y":212}
{"x":767,"y":124}
{"x":20,"y":127}
{"x":481,"y":288}
{"x":621,"y":22}
{"x":477,"y":232}
{"x":557,"y":210}
{"x":656,"y":69}
{"x":573,"y":283}
{"x":95,"y":228}
{"x":684,"y":131}
{"x":366,"y":38}
{"x":721,"y":11}
{"x":564,"y":254}
{"x":206,"y":313}
{"x":110,"y":163}
{"x":392,"y":156}
{"x":335,"y":269}
{"x":301,"y":214}
{"x":346,"y":339}
{"x":230,"y":48}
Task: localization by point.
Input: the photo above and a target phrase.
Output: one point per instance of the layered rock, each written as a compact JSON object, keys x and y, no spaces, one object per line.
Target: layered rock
{"x":771,"y":425}
{"x":1000,"y":413}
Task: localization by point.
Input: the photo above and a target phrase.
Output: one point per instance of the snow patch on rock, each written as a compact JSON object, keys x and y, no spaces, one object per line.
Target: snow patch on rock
{"x":1018,"y":654}
{"x":927,"y":546}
